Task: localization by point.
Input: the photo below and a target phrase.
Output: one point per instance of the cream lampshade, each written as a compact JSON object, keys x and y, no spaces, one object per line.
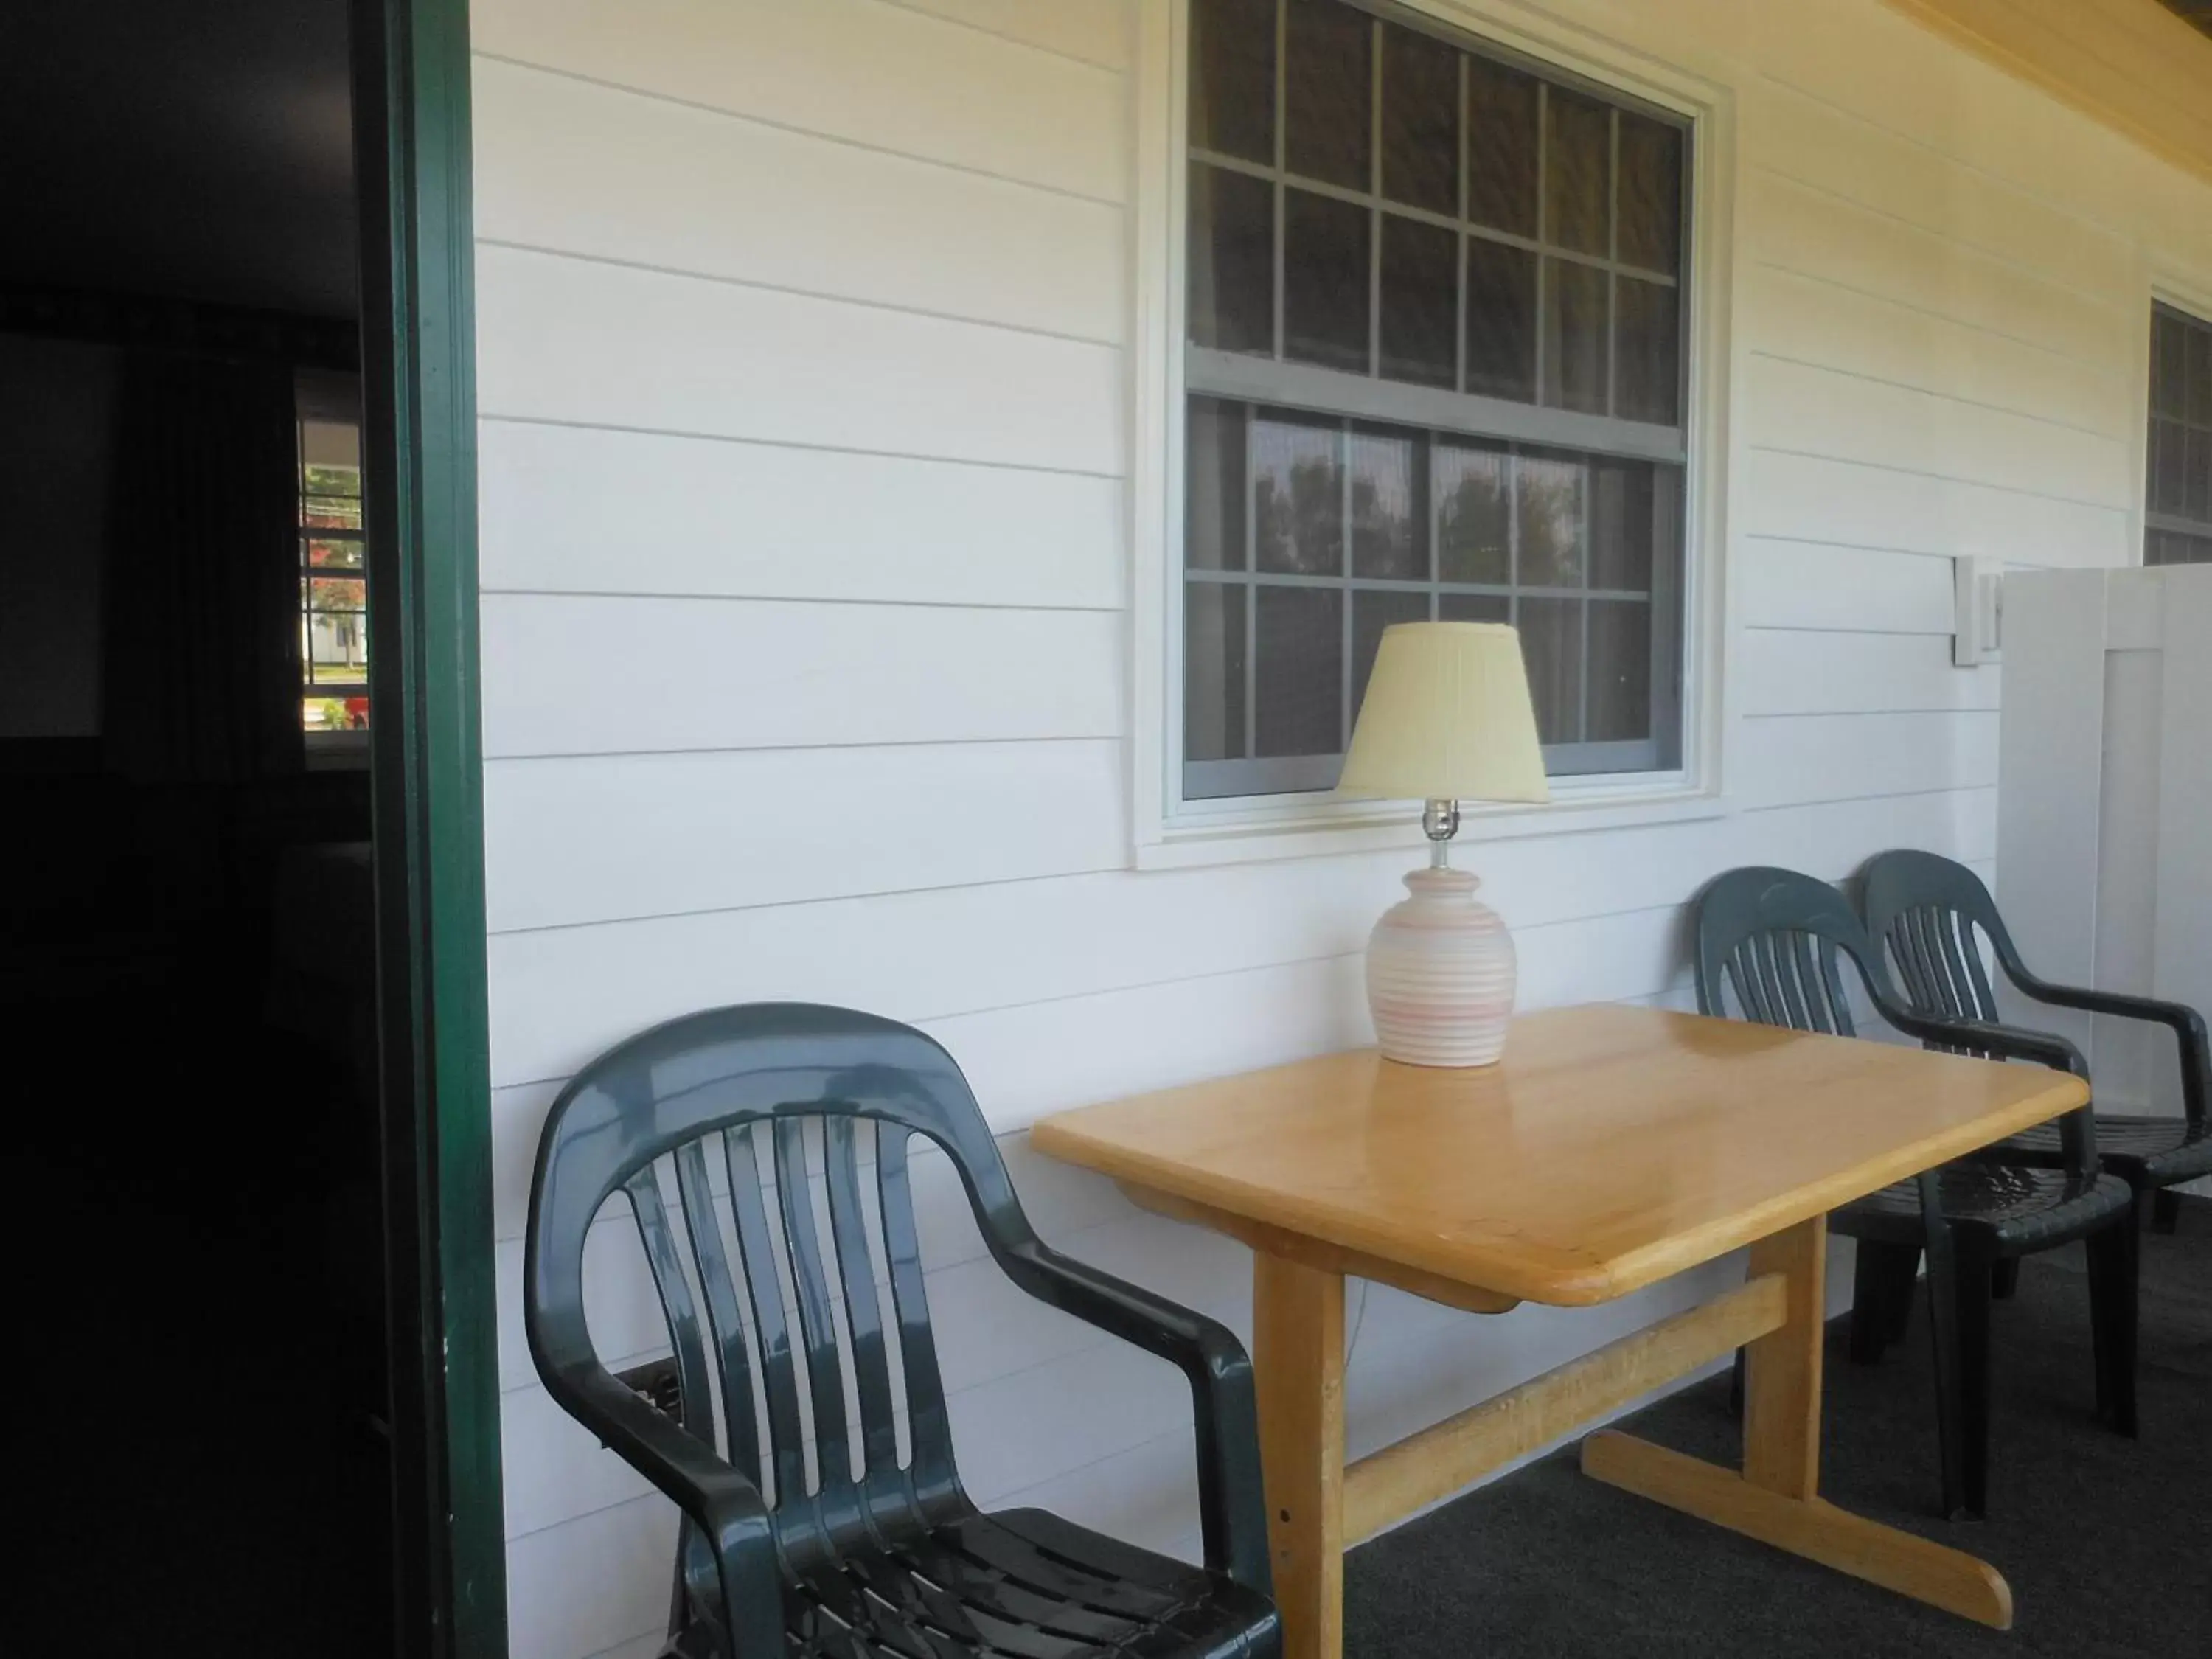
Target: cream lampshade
{"x":1446,"y":719}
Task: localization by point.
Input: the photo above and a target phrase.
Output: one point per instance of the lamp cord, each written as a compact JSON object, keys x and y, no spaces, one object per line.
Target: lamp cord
{"x":1358,"y":1318}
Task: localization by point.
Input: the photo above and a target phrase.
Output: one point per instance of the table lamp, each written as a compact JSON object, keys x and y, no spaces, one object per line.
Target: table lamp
{"x":1447,"y":718}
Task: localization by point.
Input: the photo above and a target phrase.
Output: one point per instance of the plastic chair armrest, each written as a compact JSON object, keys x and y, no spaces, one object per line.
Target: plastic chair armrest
{"x":2187,"y":1023}
{"x":1232,"y":1504}
{"x":2077,"y":1129}
{"x":725,"y":1506}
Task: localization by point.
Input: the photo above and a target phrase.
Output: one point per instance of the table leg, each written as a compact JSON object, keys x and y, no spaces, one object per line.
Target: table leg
{"x":1775,"y":1498}
{"x":1297,"y":1362}
{"x":1782,"y":1380}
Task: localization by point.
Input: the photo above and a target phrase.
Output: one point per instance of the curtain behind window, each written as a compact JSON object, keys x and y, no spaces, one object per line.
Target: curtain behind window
{"x":201,"y":679}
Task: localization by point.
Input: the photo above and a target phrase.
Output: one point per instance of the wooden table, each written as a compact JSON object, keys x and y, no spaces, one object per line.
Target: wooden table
{"x":1611,"y":1147}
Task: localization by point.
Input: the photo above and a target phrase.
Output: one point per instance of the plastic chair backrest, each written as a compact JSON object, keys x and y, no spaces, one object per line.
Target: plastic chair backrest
{"x":772,"y":1262}
{"x":1928,"y":909}
{"x":1772,"y":938}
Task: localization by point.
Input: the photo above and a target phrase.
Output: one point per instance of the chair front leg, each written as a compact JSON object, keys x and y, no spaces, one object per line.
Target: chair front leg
{"x":2113,"y":1252}
{"x":1944,"y":1330}
{"x":1870,"y":1309}
{"x":1881,"y":1297}
{"x":1972,"y":1380}
{"x":2164,"y":1210}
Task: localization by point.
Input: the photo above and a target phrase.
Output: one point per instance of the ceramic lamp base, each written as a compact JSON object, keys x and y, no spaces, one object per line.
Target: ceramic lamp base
{"x":1440,"y":974}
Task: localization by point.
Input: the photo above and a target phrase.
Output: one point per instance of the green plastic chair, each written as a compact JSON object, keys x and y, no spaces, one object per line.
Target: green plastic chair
{"x":1770,"y":943}
{"x":1934,"y":913}
{"x":805,"y":1533}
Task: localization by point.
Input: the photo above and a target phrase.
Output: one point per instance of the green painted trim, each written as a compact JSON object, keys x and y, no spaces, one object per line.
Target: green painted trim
{"x":413,"y":159}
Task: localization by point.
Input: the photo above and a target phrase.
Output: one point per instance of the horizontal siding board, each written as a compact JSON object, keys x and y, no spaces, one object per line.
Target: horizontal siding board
{"x":1793,"y":760}
{"x":1890,"y":72}
{"x":1019,"y":1428}
{"x":1804,"y":410}
{"x":570,"y":675}
{"x":591,"y":1584}
{"x":562,"y":995}
{"x":1813,"y":142}
{"x":649,"y":350}
{"x":870,"y":74}
{"x":1788,"y":224}
{"x":1781,"y":314}
{"x":1095,"y":31}
{"x":1831,"y":500}
{"x":573,"y":841}
{"x":579,"y":167}
{"x":1804,"y":673}
{"x":568,"y":509}
{"x":1813,"y":584}
{"x":552,"y":1468}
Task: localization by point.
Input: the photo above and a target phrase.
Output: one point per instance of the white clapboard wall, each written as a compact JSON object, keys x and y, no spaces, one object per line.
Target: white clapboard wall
{"x":804,"y":362}
{"x":2105,"y":804}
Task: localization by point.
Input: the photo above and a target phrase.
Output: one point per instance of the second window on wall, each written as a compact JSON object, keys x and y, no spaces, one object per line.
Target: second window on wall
{"x":2178,"y":528}
{"x":1436,"y":319}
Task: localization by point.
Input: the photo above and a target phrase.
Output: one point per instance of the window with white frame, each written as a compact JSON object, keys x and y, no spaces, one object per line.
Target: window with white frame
{"x":1436,"y":311}
{"x":2178,"y":523}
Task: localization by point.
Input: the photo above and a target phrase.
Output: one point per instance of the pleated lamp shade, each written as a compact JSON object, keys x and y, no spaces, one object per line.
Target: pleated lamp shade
{"x":1447,"y":717}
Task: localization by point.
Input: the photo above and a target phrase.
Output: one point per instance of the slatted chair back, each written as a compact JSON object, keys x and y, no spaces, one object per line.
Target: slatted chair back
{"x":1767,"y":947}
{"x":1933,"y":916}
{"x":1772,"y":938}
{"x":783,"y":1130}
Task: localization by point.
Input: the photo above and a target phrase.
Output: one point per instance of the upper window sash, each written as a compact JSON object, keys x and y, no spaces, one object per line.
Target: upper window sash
{"x":1557,"y":225}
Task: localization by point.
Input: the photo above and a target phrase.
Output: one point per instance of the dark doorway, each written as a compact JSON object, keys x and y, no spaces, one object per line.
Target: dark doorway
{"x":227,"y":1250}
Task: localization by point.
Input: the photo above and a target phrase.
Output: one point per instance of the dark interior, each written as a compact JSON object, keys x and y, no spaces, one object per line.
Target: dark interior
{"x":186,"y":965}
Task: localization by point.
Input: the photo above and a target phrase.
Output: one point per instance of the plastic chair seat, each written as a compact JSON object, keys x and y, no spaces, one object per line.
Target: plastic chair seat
{"x":2150,"y":1151}
{"x":1997,"y":1210}
{"x":1020,"y":1582}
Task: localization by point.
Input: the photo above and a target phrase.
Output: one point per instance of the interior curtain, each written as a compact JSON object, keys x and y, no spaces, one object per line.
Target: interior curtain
{"x":201,"y":671}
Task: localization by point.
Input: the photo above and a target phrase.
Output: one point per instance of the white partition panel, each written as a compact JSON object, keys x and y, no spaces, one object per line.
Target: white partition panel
{"x":2105,"y":802}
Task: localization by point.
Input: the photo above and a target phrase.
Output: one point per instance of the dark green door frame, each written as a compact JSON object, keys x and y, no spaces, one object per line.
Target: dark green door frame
{"x":418,"y":381}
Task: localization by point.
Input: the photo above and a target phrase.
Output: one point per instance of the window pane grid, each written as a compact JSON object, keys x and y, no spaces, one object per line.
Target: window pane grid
{"x":1349,"y":526}
{"x":1366,"y":198}
{"x":1522,"y":460}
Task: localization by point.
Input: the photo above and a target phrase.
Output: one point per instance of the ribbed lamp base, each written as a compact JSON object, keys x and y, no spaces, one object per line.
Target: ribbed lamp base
{"x":1440,"y":974}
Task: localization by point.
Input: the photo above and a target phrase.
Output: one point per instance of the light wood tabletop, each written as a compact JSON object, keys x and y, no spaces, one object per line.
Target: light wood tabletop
{"x":1612,"y":1146}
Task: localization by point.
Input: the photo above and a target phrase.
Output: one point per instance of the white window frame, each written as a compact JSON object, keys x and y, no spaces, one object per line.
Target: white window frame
{"x":1168,"y":831}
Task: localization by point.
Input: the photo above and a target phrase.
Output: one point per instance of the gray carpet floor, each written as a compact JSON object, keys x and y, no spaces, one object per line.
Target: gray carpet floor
{"x":2107,"y":1542}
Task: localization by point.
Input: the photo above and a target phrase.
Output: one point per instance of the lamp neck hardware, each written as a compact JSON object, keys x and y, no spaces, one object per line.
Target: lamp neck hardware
{"x":1440,"y":823}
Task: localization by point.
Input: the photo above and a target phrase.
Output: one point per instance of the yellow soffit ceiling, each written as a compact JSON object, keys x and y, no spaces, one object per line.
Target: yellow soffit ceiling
{"x":2133,"y":65}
